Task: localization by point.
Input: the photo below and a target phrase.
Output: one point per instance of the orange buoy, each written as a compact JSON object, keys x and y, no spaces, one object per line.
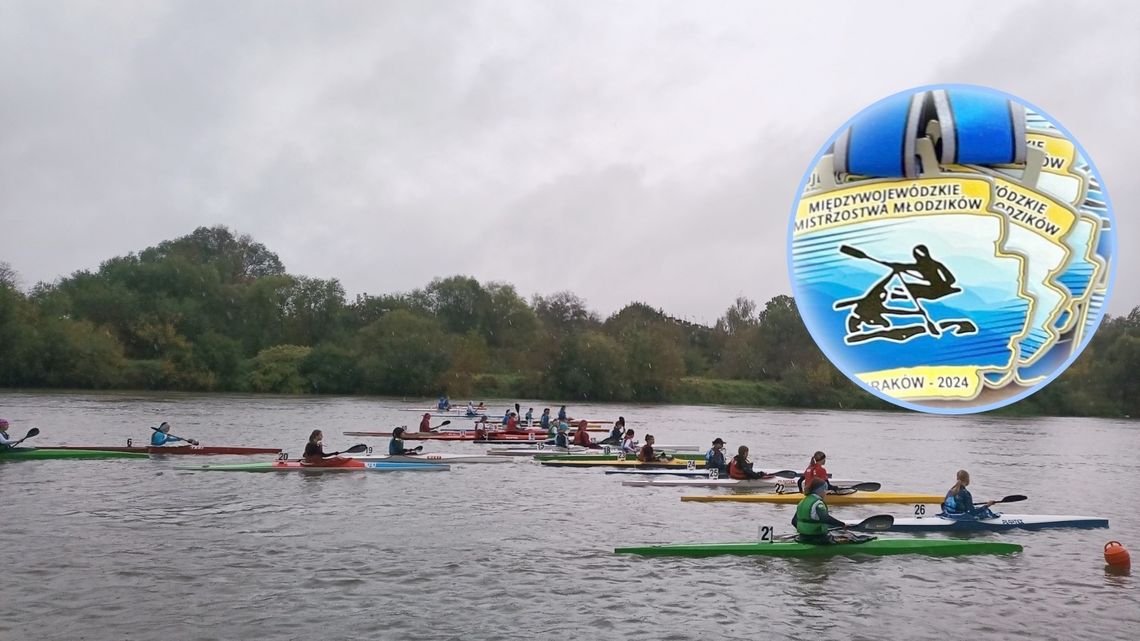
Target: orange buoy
{"x":1115,"y":555}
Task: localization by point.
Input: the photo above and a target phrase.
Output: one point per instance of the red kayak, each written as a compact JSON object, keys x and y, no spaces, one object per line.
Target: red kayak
{"x":202,"y":450}
{"x":535,"y":435}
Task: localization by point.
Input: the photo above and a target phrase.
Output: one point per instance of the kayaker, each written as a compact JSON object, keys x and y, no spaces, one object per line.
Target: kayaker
{"x":628,"y":445}
{"x":544,"y":420}
{"x":314,"y":450}
{"x":530,"y":417}
{"x":6,"y":441}
{"x":811,"y":519}
{"x":396,"y":445}
{"x":562,"y":413}
{"x":960,"y":503}
{"x":471,"y":408}
{"x":648,"y":455}
{"x":714,"y":458}
{"x":425,"y":423}
{"x":512,"y":424}
{"x":815,"y":470}
{"x":444,"y":404}
{"x":582,"y":437}
{"x":560,"y":440}
{"x":740,"y":467}
{"x":507,"y":415}
{"x":616,"y":433}
{"x":162,"y":436}
{"x":481,"y":429}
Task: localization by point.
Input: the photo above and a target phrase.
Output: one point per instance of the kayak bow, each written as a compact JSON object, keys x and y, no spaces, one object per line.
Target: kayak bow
{"x":344,"y":465}
{"x":34,"y":453}
{"x":939,"y":523}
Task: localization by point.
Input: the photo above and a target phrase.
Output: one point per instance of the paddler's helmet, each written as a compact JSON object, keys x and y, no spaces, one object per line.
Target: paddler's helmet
{"x":398,"y":431}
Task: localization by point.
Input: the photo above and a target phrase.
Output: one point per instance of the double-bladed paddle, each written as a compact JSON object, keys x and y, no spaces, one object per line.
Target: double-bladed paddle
{"x":443,"y":424}
{"x":876,"y":523}
{"x":188,"y":440}
{"x":858,"y":487}
{"x":35,"y":431}
{"x":355,"y":449}
{"x":1012,"y":498}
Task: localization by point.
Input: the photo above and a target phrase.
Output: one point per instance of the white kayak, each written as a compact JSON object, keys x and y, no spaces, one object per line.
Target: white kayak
{"x":534,"y":451}
{"x":433,"y":458}
{"x":938,"y":522}
{"x":774,"y":483}
{"x":680,"y":471}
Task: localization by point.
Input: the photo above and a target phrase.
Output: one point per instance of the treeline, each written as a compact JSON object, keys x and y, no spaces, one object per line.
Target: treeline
{"x":212,"y":311}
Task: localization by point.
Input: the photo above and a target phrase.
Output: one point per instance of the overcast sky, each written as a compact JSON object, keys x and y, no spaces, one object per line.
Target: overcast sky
{"x":624,"y":151}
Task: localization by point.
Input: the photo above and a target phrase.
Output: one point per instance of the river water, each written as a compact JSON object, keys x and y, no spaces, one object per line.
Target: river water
{"x":134,"y":549}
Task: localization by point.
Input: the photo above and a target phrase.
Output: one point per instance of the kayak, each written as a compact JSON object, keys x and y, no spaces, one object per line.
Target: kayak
{"x":939,"y":523}
{"x":601,"y":456}
{"x":534,"y":451}
{"x":203,"y":450}
{"x":347,"y":465}
{"x":631,"y":462}
{"x":685,"y":472}
{"x":434,"y":458}
{"x":855,"y":498}
{"x":769,"y":482}
{"x":876,"y":547}
{"x":36,"y":453}
{"x":452,"y":436}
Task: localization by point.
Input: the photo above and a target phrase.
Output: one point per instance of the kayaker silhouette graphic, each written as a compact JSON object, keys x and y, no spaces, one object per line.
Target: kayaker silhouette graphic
{"x":930,"y":280}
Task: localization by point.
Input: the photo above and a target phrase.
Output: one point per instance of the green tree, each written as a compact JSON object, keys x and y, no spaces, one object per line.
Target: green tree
{"x":590,"y":367}
{"x":278,"y":369}
{"x":403,"y":353}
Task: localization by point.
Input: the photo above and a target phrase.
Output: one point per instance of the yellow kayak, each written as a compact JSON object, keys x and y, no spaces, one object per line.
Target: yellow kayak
{"x":831,"y":499}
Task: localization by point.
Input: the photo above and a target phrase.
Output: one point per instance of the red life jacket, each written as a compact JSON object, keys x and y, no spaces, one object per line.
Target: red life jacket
{"x":734,"y":471}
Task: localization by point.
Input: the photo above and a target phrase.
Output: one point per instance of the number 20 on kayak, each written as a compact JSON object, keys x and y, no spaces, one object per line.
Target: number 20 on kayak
{"x":951,"y":249}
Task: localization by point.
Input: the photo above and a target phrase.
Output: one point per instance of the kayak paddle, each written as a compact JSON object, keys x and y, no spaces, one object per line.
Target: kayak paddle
{"x":875,"y":523}
{"x":1013,"y":498}
{"x":784,"y":474}
{"x":355,"y":449}
{"x":443,"y":424}
{"x":35,"y":431}
{"x":188,"y":440}
{"x":858,"y":487}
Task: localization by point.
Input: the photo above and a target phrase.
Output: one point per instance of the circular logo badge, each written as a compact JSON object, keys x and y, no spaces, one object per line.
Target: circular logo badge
{"x":951,"y":249}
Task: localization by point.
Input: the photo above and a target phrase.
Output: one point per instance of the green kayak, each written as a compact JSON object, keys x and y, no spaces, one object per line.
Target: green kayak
{"x":877,"y":547}
{"x":31,"y":453}
{"x":681,"y":456}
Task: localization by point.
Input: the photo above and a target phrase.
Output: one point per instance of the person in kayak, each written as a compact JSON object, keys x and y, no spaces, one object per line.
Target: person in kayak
{"x":811,"y":520}
{"x":562,"y":413}
{"x":628,"y":445}
{"x":507,"y":415}
{"x":959,"y":502}
{"x":544,"y":420}
{"x":648,"y":455}
{"x":471,"y":408}
{"x":815,"y":470}
{"x":314,"y":450}
{"x":396,"y":445}
{"x":582,"y":437}
{"x":481,"y":429}
{"x":740,"y":468}
{"x":162,"y":436}
{"x":530,"y":417}
{"x":512,"y":424}
{"x":714,"y":458}
{"x":7,"y":442}
{"x":616,"y":433}
{"x":561,"y":440}
{"x":444,"y":403}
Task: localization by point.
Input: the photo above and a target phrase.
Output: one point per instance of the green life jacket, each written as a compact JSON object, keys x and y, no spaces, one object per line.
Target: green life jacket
{"x":804,"y":523}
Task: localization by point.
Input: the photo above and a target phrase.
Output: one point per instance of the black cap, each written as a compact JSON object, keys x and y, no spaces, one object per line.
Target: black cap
{"x":718,"y":440}
{"x":398,"y":431}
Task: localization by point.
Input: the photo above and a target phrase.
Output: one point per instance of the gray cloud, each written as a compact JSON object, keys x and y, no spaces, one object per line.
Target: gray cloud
{"x":633,"y":151}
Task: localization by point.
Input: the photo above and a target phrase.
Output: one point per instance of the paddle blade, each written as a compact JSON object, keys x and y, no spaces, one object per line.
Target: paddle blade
{"x":1014,"y":498}
{"x":851,"y":251}
{"x":356,"y":449}
{"x":785,"y":474}
{"x":35,"y":431}
{"x":867,"y":487}
{"x":445,"y":423}
{"x":877,"y":523}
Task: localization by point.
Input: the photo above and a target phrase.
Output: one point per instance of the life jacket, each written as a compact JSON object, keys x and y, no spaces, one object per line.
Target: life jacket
{"x":582,"y":438}
{"x":396,"y":446}
{"x":805,"y":524}
{"x":735,"y":472}
{"x":560,"y":440}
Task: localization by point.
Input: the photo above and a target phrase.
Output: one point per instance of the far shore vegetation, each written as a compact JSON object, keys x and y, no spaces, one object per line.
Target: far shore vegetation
{"x":214,"y":311}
